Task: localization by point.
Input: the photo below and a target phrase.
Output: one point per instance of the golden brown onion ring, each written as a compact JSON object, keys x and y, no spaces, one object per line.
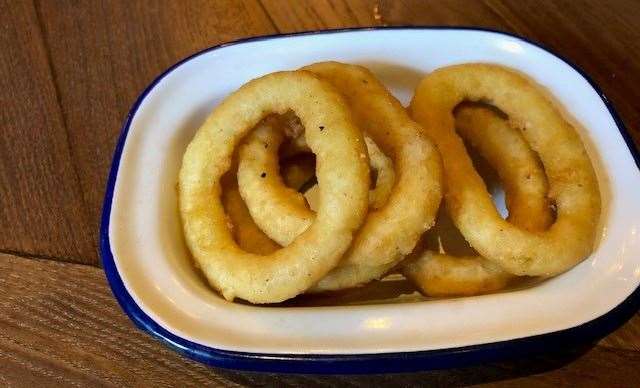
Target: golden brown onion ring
{"x":572,"y":182}
{"x":343,"y":176}
{"x":389,"y":233}
{"x":296,"y":171}
{"x":438,"y":273}
{"x":277,"y":208}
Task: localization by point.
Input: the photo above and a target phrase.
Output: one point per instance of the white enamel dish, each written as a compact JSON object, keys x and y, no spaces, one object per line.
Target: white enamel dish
{"x":150,"y":272}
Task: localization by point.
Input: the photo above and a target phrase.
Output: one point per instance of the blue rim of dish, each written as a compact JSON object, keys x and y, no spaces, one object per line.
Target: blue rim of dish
{"x":358,"y":363}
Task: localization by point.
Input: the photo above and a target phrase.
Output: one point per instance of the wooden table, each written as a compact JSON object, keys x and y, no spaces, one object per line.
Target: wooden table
{"x":69,"y":71}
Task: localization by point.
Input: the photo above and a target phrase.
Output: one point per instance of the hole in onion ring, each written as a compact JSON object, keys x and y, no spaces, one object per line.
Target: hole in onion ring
{"x":298,"y":171}
{"x":490,"y":177}
{"x":373,"y":176}
{"x":445,"y":238}
{"x":483,"y":165}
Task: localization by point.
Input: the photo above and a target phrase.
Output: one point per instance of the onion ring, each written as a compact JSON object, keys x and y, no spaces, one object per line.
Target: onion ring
{"x":297,"y":171}
{"x":389,"y":233}
{"x":278,"y":210}
{"x":267,"y":195}
{"x":572,"y":182}
{"x":342,"y":174}
{"x":525,"y":186}
{"x":439,"y":275}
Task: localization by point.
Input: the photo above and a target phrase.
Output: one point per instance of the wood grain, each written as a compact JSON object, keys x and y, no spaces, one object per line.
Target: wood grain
{"x":104,"y":53}
{"x":60,"y":325}
{"x":449,"y":13}
{"x":317,"y":15}
{"x":314,"y":15}
{"x":71,"y":70}
{"x":41,"y":206}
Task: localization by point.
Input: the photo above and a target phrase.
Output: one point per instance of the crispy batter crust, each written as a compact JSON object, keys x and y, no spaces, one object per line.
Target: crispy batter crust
{"x":437,"y":273}
{"x":391,"y":232}
{"x":573,"y":187}
{"x":342,"y":173}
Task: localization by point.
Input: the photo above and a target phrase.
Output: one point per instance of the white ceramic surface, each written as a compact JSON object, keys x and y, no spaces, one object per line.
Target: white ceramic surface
{"x":151,"y":258}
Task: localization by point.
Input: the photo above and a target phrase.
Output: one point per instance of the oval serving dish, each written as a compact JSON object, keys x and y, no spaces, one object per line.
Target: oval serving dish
{"x":151,"y":274}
